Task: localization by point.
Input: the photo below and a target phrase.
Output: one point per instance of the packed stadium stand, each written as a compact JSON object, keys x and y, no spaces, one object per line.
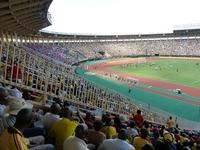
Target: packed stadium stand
{"x":75,"y":51}
{"x":37,"y":72}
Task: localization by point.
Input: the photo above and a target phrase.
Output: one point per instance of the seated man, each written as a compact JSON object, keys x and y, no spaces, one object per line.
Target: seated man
{"x":50,"y":118}
{"x":108,"y":129}
{"x":141,"y":140}
{"x":12,"y":138}
{"x":63,"y":128}
{"x":95,"y":136}
{"x":117,"y":144}
{"x":76,"y":142}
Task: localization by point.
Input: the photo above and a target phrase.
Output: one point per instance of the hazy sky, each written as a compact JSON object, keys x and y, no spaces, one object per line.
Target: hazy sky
{"x":122,"y":16}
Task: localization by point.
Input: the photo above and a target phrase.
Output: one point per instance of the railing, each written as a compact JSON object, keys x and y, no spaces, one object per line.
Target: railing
{"x":24,"y":69}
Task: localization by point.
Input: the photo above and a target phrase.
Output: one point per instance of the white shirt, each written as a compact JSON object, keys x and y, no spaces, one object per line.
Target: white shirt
{"x":133,"y":132}
{"x":115,"y":144}
{"x":2,"y":110}
{"x":74,"y":143}
{"x":49,"y":119}
{"x":15,"y":92}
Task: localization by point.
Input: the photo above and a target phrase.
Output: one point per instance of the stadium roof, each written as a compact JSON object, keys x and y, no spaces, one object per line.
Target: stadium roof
{"x":176,"y":33}
{"x":24,"y":16}
{"x":28,"y":17}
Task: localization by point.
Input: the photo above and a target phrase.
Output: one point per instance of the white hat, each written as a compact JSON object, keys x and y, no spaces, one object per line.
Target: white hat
{"x":15,"y":105}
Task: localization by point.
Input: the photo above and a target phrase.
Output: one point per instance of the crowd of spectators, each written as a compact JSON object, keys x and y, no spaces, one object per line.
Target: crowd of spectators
{"x":72,"y":52}
{"x":65,"y":126}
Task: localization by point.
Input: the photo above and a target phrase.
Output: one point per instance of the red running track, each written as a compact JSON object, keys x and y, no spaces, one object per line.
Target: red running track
{"x":103,"y":68}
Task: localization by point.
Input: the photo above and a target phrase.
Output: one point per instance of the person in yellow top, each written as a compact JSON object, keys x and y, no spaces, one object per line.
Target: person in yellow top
{"x":63,"y":128}
{"x":141,"y":140}
{"x":170,"y":123}
{"x":109,"y":130}
{"x":12,"y":138}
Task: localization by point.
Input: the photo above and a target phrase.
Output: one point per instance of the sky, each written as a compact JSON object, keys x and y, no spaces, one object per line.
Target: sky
{"x":117,"y":17}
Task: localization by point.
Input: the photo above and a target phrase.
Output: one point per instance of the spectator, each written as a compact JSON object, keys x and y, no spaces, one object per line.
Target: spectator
{"x":147,"y":147}
{"x":95,"y":136}
{"x":108,"y":129}
{"x":141,"y":140}
{"x":167,"y":143}
{"x":17,"y":73}
{"x":88,"y":120}
{"x":170,"y":123}
{"x":12,"y":138}
{"x":132,"y":132}
{"x":63,"y":128}
{"x":50,"y":118}
{"x":76,"y":142}
{"x":117,"y":144}
{"x":138,"y":118}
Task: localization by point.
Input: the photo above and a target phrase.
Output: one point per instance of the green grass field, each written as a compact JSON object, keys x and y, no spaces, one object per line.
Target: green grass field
{"x":184,"y":72}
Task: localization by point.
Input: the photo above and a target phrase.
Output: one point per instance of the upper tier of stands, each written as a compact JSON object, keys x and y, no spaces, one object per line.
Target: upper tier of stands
{"x":71,"y":52}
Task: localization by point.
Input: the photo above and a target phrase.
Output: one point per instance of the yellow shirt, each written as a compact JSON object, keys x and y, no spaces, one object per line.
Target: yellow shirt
{"x":61,"y":130}
{"x":109,"y":131}
{"x":13,"y":139}
{"x":139,"y":143}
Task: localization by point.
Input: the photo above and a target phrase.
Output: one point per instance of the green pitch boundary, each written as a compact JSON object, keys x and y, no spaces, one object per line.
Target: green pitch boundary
{"x":196,"y":99}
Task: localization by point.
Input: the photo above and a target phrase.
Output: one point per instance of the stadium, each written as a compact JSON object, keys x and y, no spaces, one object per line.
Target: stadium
{"x":109,"y":75}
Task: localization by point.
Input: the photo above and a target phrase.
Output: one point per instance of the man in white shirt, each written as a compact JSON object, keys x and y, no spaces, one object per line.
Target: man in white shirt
{"x":132,"y":132}
{"x":76,"y":142}
{"x":117,"y":144}
{"x":50,"y":118}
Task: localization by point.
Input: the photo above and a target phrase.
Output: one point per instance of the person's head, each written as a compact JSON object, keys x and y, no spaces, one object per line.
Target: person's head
{"x":55,"y":108}
{"x":139,"y":112}
{"x":66,"y":113}
{"x":108,"y":121}
{"x":168,"y":138}
{"x":146,"y":124}
{"x":132,"y":124}
{"x":156,"y":134}
{"x":80,"y":131}
{"x":30,"y":77}
{"x":98,"y":125}
{"x":122,"y":134}
{"x":88,"y":115}
{"x":144,"y":133}
{"x":170,"y":117}
{"x":24,"y":118}
{"x":66,"y":104}
{"x":57,"y":100}
{"x":3,"y":92}
{"x":147,"y":147}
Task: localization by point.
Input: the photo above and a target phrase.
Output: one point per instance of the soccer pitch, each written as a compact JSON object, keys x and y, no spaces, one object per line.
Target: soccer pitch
{"x":154,"y":88}
{"x":178,"y":71}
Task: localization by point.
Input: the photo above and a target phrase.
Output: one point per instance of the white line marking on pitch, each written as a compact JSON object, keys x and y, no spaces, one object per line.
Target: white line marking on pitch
{"x":195,"y":82}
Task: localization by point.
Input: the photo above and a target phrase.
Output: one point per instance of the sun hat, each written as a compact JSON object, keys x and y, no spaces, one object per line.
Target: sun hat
{"x":168,"y":137}
{"x":16,"y":104}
